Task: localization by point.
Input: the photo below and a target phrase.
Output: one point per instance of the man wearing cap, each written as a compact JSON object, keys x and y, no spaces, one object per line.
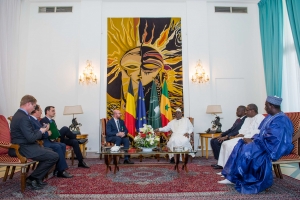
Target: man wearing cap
{"x":249,"y":166}
{"x":181,"y":128}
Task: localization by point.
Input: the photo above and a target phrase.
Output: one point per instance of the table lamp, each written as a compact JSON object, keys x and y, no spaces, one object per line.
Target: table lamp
{"x":72,"y":110}
{"x":216,"y":125}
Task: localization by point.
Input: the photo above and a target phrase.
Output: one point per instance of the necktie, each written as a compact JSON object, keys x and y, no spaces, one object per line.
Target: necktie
{"x":118,"y":125}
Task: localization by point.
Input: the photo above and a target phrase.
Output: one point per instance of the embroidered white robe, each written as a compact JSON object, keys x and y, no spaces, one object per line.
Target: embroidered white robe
{"x":249,"y":129}
{"x":179,"y":128}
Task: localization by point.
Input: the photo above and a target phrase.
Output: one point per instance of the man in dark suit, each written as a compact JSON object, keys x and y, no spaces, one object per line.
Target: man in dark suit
{"x":233,"y":131}
{"x":58,"y":147}
{"x":23,"y":133}
{"x":66,"y":136}
{"x":117,"y":132}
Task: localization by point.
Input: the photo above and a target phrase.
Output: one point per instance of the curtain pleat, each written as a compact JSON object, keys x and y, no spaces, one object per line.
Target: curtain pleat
{"x":10,"y":12}
{"x":293,"y":9}
{"x":271,"y":30}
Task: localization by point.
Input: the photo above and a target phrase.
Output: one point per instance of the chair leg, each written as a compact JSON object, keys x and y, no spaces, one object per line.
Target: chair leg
{"x":33,"y":166}
{"x":27,"y":168}
{"x":6,"y":173}
{"x":141,"y":158}
{"x":279,"y":171}
{"x":276,"y":171}
{"x":12,"y":172}
{"x":23,"y":178}
{"x":100,"y":156}
{"x":167,"y":157}
{"x":191,"y":159}
{"x":72,"y":156}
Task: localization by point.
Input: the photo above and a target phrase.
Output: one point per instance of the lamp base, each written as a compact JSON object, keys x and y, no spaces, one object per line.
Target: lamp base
{"x":76,"y":132}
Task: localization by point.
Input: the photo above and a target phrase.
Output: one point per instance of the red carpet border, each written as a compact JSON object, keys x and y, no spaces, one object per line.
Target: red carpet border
{"x":145,"y":182}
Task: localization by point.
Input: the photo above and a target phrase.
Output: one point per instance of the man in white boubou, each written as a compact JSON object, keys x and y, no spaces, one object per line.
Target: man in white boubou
{"x":181,"y":128}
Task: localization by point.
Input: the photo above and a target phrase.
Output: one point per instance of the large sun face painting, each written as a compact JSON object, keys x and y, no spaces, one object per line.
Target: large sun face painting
{"x":143,"y":49}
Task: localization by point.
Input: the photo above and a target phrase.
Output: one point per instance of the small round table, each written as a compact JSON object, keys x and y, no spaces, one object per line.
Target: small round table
{"x":206,"y":136}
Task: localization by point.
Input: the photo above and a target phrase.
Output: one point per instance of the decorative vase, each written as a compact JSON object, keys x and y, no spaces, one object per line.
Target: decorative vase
{"x":147,"y":149}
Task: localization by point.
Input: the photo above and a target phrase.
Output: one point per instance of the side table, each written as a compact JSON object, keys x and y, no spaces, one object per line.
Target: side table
{"x":206,"y":136}
{"x":83,"y":147}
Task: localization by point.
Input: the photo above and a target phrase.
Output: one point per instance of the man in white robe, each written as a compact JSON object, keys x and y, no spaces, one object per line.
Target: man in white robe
{"x":249,"y":128}
{"x":181,"y":128}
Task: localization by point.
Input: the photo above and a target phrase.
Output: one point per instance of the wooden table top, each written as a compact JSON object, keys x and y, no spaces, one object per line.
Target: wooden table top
{"x":209,"y":135}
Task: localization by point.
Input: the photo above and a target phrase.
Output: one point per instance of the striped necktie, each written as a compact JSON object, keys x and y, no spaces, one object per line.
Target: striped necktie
{"x":118,"y":125}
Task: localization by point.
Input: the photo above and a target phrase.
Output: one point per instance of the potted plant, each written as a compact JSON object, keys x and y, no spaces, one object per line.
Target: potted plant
{"x":146,"y":138}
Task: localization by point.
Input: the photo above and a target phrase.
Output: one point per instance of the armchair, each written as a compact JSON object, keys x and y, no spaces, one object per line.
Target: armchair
{"x":8,"y":161}
{"x":166,"y":137}
{"x":104,"y":143}
{"x":294,"y":156}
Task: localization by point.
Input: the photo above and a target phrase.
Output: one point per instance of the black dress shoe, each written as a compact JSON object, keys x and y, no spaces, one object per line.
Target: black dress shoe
{"x":83,"y":164}
{"x":82,"y":141}
{"x":41,"y":183}
{"x":214,"y":165}
{"x":64,"y":174}
{"x":218,"y":167}
{"x":128,"y":161}
{"x":172,"y":160}
{"x":32,"y":184}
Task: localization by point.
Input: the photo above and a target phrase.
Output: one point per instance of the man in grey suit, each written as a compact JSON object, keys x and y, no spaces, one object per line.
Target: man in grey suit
{"x":22,"y":133}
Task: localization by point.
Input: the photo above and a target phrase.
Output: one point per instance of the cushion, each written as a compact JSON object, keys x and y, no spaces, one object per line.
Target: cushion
{"x":291,"y":156}
{"x":4,"y":133}
{"x":5,"y":158}
{"x":295,"y":118}
{"x":68,"y":148}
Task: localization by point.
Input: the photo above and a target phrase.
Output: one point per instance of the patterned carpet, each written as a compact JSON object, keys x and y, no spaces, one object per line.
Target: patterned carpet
{"x":150,"y":181}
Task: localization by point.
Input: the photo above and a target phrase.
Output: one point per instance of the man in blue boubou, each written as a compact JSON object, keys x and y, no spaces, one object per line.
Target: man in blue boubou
{"x":249,"y":166}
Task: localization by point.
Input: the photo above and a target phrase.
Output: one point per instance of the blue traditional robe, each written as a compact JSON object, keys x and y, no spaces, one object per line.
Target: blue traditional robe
{"x":249,"y":166}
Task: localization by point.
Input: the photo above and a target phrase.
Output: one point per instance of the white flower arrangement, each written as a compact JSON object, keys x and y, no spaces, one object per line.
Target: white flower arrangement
{"x":146,"y":137}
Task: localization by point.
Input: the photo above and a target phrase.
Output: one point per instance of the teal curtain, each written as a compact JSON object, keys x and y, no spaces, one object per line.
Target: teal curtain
{"x":271,"y":31}
{"x":293,"y":8}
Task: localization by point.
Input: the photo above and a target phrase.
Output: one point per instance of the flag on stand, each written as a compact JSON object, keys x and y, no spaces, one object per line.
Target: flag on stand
{"x":165,"y":106}
{"x":130,"y":111}
{"x":141,"y":109}
{"x":154,"y":118}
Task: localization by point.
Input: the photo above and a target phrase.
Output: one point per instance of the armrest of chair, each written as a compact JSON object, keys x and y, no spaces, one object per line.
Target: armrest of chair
{"x":192,"y":137}
{"x":165,"y":137}
{"x":103,"y":138}
{"x":40,"y":142}
{"x":8,"y":145}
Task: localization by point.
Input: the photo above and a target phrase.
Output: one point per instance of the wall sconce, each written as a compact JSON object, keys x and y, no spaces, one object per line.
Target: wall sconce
{"x":200,"y":76}
{"x":88,"y":75}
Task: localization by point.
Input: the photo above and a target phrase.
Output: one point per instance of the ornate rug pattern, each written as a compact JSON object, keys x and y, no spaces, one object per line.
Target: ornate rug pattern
{"x":145,"y":182}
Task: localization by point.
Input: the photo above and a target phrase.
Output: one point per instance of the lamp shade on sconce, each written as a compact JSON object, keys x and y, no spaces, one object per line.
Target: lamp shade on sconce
{"x":213,"y":109}
{"x":71,"y":110}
